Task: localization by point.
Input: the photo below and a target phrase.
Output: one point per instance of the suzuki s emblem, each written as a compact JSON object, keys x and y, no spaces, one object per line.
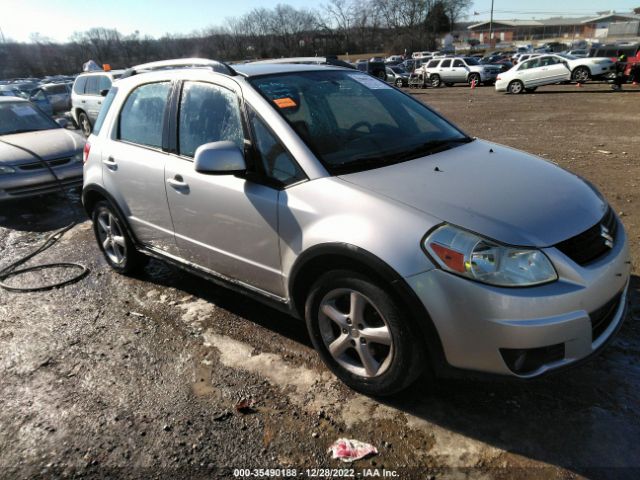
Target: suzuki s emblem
{"x":608,"y":239}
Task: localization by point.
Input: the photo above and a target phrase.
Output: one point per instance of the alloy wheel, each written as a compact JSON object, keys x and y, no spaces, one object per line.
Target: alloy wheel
{"x":355,"y":333}
{"x":111,"y":237}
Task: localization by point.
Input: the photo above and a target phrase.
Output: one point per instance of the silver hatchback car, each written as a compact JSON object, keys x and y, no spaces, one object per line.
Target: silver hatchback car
{"x":406,"y":245}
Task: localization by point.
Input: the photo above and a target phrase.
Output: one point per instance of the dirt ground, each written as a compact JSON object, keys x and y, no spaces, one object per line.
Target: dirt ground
{"x":120,"y":377}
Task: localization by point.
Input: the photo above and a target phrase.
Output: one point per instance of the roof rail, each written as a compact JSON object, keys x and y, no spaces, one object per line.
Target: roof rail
{"x":214,"y":65}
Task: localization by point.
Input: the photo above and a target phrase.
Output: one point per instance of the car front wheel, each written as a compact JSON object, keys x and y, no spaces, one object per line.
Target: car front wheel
{"x":581,"y":75}
{"x":399,"y":83}
{"x":435,"y":80}
{"x":362,"y":334}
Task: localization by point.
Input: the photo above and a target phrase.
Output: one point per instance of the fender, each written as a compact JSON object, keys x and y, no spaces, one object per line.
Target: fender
{"x":95,"y":188}
{"x":384,"y":272}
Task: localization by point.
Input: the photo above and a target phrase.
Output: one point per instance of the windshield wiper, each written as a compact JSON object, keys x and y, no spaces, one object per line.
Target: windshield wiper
{"x":367,"y":162}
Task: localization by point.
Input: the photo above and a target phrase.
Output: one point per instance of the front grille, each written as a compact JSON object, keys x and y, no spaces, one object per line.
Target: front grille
{"x":602,"y":317}
{"x":591,"y":244}
{"x":44,"y":187}
{"x":39,"y":166}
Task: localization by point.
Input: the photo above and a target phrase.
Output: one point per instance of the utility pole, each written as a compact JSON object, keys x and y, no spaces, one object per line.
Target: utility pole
{"x":491,"y":27}
{"x":1,"y":36}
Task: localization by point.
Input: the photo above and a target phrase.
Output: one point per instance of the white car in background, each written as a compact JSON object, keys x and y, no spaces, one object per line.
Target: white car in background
{"x":549,"y":69}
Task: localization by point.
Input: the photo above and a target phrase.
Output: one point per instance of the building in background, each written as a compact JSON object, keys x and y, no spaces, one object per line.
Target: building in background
{"x":602,"y":27}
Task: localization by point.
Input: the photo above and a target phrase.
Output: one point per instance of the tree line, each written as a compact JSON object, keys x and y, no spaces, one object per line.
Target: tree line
{"x":337,"y":27}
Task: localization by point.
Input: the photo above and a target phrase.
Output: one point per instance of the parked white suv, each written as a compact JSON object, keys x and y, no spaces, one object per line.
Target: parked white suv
{"x":452,"y":70}
{"x":87,"y":96}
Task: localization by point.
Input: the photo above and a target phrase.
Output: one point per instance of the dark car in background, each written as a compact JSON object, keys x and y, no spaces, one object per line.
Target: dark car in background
{"x":377,"y":69}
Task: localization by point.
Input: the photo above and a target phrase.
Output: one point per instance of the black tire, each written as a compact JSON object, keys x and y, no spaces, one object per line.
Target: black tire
{"x":132,"y":260}
{"x":530,"y":89}
{"x":581,"y":74}
{"x":399,"y":364}
{"x":399,"y":83}
{"x":435,"y":80}
{"x":516,"y":87}
{"x":85,"y":124}
{"x":474,"y":77}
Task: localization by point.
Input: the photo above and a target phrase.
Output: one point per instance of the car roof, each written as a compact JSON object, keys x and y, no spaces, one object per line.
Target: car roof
{"x":102,"y":72}
{"x":13,"y":100}
{"x":256,"y":69}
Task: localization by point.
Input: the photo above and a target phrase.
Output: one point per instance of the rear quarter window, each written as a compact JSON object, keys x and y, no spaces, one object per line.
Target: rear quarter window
{"x":104,"y":110}
{"x":79,"y":86}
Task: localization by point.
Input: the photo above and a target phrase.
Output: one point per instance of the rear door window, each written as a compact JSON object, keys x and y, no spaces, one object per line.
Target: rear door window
{"x":458,"y":63}
{"x":142,"y":116}
{"x":103,"y":111}
{"x":445,"y":64}
{"x":92,"y":86}
{"x":80,"y":84}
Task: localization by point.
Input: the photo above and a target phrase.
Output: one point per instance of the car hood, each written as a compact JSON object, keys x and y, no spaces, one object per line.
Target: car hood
{"x":48,"y":144}
{"x":501,"y":193}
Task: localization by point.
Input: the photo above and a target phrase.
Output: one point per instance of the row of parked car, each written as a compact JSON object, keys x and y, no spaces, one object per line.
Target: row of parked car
{"x":51,"y":94}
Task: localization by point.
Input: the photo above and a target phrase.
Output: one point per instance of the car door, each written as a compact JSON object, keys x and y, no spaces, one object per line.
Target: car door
{"x":444,"y":70}
{"x":459,"y":71}
{"x":557,"y":69}
{"x":224,"y":223}
{"x":134,"y":163}
{"x":530,"y":73}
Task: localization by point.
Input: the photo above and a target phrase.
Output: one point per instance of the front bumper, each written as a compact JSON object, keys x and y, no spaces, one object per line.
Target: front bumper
{"x":489,"y":76}
{"x":481,"y":326}
{"x":24,"y":184}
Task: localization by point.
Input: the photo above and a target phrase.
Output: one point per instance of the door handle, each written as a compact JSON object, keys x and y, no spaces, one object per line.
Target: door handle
{"x":110,"y":163}
{"x":83,"y":101}
{"x":178,"y":183}
{"x":99,"y":103}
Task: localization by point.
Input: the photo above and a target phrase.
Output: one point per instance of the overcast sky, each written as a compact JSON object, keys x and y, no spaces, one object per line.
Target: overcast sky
{"x":57,"y":19}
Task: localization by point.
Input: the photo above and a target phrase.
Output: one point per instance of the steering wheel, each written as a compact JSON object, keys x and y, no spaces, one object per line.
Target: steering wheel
{"x":357,"y":125}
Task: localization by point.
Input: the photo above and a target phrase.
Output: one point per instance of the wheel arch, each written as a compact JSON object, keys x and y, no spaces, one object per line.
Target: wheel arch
{"x":322,"y":258}
{"x":92,"y":194}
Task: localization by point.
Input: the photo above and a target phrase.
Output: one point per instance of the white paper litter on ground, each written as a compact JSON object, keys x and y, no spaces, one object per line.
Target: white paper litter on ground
{"x":349,"y":450}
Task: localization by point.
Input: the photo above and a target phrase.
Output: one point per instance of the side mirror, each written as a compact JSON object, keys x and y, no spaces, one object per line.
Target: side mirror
{"x":103,"y":93}
{"x":219,"y":158}
{"x":62,"y":122}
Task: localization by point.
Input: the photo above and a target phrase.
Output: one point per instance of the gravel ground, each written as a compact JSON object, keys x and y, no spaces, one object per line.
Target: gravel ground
{"x":138,"y":377}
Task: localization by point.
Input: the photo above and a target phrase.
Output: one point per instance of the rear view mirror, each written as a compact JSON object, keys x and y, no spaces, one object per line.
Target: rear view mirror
{"x":219,"y":158}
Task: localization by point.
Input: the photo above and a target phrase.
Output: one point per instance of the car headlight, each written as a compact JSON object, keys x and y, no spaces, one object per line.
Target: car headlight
{"x":5,"y":170}
{"x":472,"y":256}
{"x":77,"y":157}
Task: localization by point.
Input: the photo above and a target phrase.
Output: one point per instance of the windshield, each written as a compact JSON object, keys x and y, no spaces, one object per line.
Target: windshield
{"x":397,"y":69}
{"x":471,"y":61}
{"x":20,"y":117}
{"x":352,"y":121}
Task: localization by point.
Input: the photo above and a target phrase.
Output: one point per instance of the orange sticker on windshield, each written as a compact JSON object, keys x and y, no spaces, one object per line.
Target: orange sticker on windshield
{"x":284,"y":102}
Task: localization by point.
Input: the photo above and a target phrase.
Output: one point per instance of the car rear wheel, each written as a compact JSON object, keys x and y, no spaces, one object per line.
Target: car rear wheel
{"x":581,"y":75}
{"x":516,"y":87}
{"x":362,"y":335}
{"x":84,"y":124}
{"x":114,"y":240}
{"x":435,"y":80}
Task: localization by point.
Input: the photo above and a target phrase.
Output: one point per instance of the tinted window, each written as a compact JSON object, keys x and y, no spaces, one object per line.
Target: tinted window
{"x":445,"y":64}
{"x":56,"y":89}
{"x":458,"y":63}
{"x":104,"y":83}
{"x":141,"y":118}
{"x":548,"y":61}
{"x":92,"y":85}
{"x":103,"y":111}
{"x":80,"y":84}
{"x":352,"y":121}
{"x":433,"y":63}
{"x":471,"y":61}
{"x":274,"y":162}
{"x":208,"y":113}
